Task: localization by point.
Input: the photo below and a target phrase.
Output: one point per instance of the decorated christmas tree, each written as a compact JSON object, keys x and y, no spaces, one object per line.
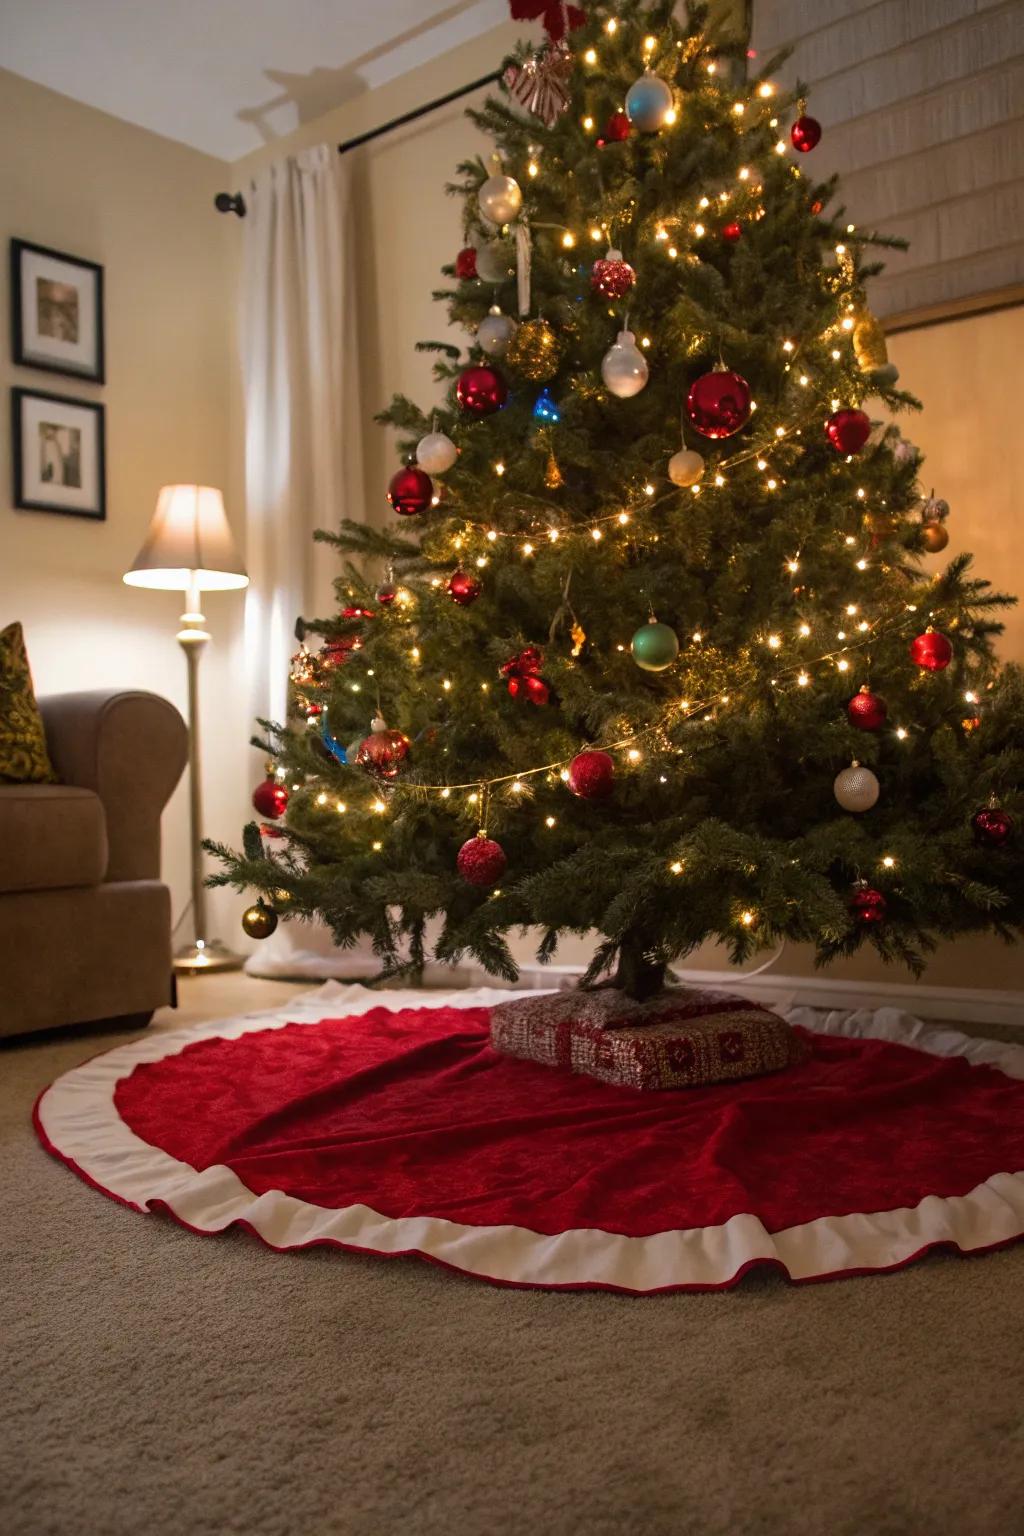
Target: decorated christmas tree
{"x":656,"y":645}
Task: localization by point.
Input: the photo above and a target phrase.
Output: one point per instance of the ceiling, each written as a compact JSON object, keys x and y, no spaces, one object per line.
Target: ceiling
{"x":226,"y":76}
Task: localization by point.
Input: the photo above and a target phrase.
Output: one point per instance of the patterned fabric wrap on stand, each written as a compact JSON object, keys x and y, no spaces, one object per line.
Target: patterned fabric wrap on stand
{"x":684,"y":1038}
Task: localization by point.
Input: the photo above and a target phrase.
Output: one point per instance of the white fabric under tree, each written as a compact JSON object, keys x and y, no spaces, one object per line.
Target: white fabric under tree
{"x":303,"y":462}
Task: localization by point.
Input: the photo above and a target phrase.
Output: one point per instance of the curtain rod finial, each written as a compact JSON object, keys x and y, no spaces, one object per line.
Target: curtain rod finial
{"x":230,"y":202}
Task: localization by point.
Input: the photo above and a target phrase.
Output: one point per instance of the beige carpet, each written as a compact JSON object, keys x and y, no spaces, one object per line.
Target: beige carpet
{"x":160,"y":1384}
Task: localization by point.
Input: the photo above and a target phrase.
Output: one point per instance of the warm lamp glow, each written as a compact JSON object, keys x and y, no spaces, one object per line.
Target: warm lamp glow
{"x":188,"y":545}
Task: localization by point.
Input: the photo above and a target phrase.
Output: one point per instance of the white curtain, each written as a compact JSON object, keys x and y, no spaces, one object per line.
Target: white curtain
{"x":303,"y":464}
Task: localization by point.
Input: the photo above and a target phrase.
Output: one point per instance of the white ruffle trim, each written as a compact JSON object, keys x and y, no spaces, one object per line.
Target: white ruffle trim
{"x":79,"y":1121}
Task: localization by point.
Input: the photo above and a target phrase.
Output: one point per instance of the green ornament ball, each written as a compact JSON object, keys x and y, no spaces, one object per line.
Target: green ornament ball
{"x":655,"y":646}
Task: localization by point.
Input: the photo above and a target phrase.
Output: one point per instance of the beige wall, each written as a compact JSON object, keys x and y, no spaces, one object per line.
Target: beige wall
{"x":80,"y":181}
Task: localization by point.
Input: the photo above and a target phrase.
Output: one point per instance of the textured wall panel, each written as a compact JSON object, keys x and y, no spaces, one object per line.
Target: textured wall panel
{"x":922,"y":102}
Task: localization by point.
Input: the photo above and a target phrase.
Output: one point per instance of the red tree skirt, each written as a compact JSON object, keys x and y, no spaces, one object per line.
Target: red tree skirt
{"x":394,"y":1129}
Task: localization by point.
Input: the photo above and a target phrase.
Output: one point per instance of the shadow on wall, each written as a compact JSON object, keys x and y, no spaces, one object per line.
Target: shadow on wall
{"x":303,"y":98}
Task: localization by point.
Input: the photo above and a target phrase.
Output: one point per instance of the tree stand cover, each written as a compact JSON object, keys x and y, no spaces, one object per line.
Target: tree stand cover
{"x":681,"y":1038}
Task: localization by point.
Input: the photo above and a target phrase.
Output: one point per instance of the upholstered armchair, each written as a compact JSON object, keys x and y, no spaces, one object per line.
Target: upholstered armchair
{"x":85,"y":923}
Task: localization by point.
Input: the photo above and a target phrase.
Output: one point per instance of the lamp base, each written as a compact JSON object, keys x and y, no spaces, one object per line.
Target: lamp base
{"x":206,"y":955}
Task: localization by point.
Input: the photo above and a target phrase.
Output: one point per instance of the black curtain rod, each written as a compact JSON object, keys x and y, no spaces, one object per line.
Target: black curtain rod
{"x":234,"y":202}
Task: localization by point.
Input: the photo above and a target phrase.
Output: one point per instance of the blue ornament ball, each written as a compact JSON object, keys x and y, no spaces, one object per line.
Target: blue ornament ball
{"x":331,"y":741}
{"x":545,"y":408}
{"x":648,"y":103}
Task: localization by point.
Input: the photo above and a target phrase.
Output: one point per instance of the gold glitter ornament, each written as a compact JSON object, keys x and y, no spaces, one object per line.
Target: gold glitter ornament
{"x":553,"y":476}
{"x":870,"y":350}
{"x":535,"y":351}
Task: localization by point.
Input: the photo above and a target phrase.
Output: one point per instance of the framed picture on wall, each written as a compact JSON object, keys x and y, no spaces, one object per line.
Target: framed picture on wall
{"x":56,"y":311}
{"x":58,"y":454}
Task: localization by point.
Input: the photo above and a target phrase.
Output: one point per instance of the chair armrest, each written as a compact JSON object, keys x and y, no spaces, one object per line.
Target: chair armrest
{"x":129,"y":748}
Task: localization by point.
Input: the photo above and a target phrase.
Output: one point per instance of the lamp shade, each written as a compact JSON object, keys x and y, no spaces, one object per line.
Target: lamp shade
{"x":189,"y":544}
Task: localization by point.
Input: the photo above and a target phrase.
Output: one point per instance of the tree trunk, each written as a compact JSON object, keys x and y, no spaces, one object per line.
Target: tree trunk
{"x":636,"y":973}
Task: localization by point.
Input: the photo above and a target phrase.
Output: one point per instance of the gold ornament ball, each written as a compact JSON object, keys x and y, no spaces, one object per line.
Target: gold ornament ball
{"x":534,"y":351}
{"x":935,"y":537}
{"x":259,"y":921}
{"x":685,"y":467}
{"x":870,"y":350}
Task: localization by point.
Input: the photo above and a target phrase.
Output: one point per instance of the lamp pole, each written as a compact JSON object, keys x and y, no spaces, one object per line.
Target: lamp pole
{"x":204,"y":953}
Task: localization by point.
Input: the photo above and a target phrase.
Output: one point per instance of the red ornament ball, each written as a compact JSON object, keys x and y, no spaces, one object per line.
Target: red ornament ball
{"x":410,"y":491}
{"x":481,"y":861}
{"x":530,"y":687}
{"x":868,"y":905}
{"x":805,"y":134}
{"x":719,"y":403}
{"x":386,"y":594}
{"x":866,"y":710}
{"x":465,"y":263}
{"x":382,"y":753}
{"x":931,"y":651}
{"x":618,"y":128}
{"x":481,"y":391}
{"x":591,"y":775}
{"x":732,"y":231}
{"x":464,"y":588}
{"x":612,"y":277}
{"x":848,"y":430}
{"x":992,"y":827}
{"x":270,"y":798}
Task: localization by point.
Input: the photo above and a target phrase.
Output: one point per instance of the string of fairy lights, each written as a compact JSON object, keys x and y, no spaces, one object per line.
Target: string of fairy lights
{"x":679,"y":235}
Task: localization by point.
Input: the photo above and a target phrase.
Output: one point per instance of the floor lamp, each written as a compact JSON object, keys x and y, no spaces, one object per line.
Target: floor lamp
{"x":189,"y":549}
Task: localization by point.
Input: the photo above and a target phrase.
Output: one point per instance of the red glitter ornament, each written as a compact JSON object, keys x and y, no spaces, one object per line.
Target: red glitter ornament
{"x":481,"y":391}
{"x":270,"y":798}
{"x":848,"y":430}
{"x":481,"y":861}
{"x":618,"y":128}
{"x":335,"y":653}
{"x":931,"y":651}
{"x":464,"y":588}
{"x":805,"y":134}
{"x":612,"y":277}
{"x":591,"y":775}
{"x":411,"y":491}
{"x":523,"y":674}
{"x":718,"y":403}
{"x":866,"y":710}
{"x":465,"y":263}
{"x":992,"y":826}
{"x":732,"y":231}
{"x":868,"y":905}
{"x":382,"y":752}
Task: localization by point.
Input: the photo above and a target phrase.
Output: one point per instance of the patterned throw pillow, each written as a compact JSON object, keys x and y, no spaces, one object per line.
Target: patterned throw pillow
{"x":23,"y":755}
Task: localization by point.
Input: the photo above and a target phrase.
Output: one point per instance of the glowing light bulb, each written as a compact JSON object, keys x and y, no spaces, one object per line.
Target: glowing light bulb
{"x":568,"y":240}
{"x":648,"y":489}
{"x":533,"y":168}
{"x":447,"y":685}
{"x":744,"y":173}
{"x":747,"y":919}
{"x":553,"y":535}
{"x":802,"y":680}
{"x":719,"y":481}
{"x":491,"y":535}
{"x":596,"y":535}
{"x":590,"y":57}
{"x":379,"y":807}
{"x":780,"y":146}
{"x":676,"y":867}
{"x":699,"y":230}
{"x":517,"y":787}
{"x":321,"y":799}
{"x":792,"y":566}
{"x":765,"y":89}
{"x":623,"y":518}
{"x":774,"y":642}
{"x":772,"y":484}
{"x":549,"y":821}
{"x":738,"y":108}
{"x":611,"y":26}
{"x":843,"y":665}
{"x":805,"y":630}
{"x":901,"y":734}
{"x":527,"y":549}
{"x":499,"y":468}
{"x":633,"y":755}
{"x":341,"y":807}
{"x":889,"y":862}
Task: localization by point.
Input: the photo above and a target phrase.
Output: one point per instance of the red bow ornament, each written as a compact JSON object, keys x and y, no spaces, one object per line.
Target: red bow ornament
{"x":524,"y":679}
{"x":558,"y":18}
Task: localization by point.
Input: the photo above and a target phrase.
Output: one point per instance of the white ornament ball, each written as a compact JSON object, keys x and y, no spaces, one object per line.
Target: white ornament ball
{"x":648,"y":102}
{"x":624,"y":367}
{"x":495,"y":332}
{"x":494,"y":261}
{"x":685,"y":467}
{"x":435,"y":453}
{"x":500,"y":199}
{"x":856,"y":788}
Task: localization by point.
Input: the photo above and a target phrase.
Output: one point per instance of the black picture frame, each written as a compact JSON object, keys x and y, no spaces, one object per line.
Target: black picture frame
{"x":23,"y":356}
{"x":28,"y":503}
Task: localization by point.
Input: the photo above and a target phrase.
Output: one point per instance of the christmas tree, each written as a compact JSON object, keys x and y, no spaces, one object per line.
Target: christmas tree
{"x":655,"y":646}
